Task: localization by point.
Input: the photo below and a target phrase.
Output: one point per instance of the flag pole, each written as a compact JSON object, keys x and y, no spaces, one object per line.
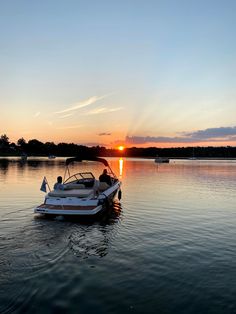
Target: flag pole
{"x":47,"y":183}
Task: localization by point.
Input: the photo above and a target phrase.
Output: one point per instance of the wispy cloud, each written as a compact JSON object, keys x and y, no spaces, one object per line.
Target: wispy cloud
{"x":221,"y":134}
{"x":94,"y":144}
{"x":37,"y":114}
{"x":82,"y":104}
{"x":104,"y":134}
{"x":66,"y":116}
{"x":103,"y":110}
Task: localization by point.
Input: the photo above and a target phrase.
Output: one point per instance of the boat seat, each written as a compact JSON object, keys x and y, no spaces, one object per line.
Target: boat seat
{"x":71,"y":193}
{"x":103,"y":186}
{"x":74,"y":186}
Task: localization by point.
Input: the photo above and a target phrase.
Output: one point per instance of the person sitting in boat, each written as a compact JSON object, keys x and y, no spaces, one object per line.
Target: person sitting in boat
{"x":104,"y":177}
{"x":58,"y":185}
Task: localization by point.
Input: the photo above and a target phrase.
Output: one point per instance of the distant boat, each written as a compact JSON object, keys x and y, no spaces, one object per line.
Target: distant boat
{"x":162,"y":160}
{"x":193,"y":156}
{"x":51,"y":157}
{"x":23,"y":157}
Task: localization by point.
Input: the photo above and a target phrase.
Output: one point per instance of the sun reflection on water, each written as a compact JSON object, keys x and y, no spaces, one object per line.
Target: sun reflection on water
{"x":121,"y":163}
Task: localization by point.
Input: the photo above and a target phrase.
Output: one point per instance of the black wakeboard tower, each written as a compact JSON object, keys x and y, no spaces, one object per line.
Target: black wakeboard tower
{"x":87,"y":158}
{"x":80,"y":159}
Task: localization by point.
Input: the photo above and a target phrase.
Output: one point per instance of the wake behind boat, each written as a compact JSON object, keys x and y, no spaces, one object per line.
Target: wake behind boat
{"x":82,"y":193}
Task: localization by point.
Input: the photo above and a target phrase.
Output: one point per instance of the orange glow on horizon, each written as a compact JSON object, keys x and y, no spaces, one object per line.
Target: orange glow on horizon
{"x":121,"y":147}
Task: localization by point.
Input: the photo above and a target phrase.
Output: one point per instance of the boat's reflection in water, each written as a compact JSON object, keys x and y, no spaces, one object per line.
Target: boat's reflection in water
{"x":87,"y":237}
{"x":94,"y":239}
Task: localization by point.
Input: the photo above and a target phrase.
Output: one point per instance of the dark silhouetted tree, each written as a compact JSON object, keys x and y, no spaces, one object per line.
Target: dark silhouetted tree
{"x":21,"y":142}
{"x":4,"y":141}
{"x":35,"y":147}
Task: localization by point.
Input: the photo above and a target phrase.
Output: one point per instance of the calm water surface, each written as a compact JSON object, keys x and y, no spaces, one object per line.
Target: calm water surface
{"x":168,"y":247}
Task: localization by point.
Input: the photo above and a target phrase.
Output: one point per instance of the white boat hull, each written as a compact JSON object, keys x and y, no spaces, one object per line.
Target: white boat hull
{"x":78,"y":205}
{"x":68,"y":210}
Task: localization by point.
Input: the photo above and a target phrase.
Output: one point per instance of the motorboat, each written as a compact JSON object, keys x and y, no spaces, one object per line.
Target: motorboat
{"x":193,"y":156}
{"x":23,"y":157}
{"x":82,"y":193}
{"x":162,"y":160}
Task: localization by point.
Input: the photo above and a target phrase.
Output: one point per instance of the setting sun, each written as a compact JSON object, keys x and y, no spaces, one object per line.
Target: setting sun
{"x":120,"y":147}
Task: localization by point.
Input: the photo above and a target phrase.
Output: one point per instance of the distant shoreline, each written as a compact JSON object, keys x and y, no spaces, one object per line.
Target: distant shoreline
{"x":36,"y":148}
{"x":128,"y":157}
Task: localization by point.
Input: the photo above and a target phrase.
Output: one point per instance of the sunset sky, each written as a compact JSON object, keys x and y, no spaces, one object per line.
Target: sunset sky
{"x":134,"y":72}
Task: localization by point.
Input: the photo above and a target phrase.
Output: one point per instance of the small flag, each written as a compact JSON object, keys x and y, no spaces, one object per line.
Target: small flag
{"x":44,"y":185}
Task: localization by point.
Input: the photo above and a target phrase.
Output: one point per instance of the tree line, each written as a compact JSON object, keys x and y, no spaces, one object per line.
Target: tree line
{"x":35,"y":147}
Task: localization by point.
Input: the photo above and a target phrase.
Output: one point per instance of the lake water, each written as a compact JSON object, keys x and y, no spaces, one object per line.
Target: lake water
{"x":168,"y":247}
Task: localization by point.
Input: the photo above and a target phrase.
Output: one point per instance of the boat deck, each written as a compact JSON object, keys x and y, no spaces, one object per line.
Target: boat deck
{"x":66,"y":207}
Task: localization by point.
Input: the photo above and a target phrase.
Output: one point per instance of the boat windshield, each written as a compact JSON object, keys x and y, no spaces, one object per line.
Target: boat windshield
{"x":80,"y":177}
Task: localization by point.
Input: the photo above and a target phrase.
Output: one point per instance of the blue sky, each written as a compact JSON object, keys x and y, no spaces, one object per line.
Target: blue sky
{"x":148,"y":72}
